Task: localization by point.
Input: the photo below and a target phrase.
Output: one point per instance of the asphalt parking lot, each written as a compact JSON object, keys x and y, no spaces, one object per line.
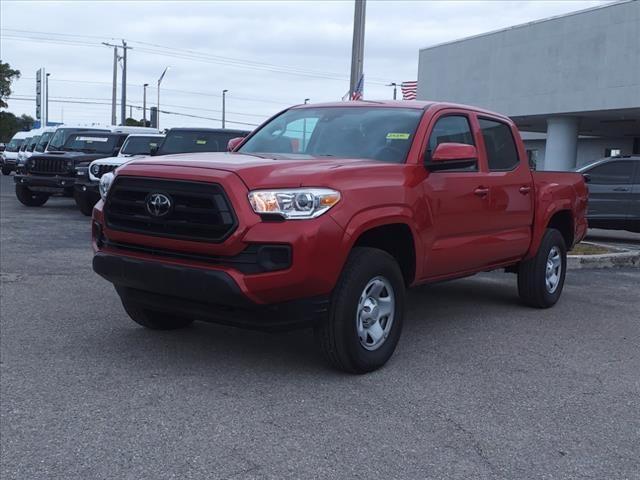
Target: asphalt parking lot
{"x":480,"y":386}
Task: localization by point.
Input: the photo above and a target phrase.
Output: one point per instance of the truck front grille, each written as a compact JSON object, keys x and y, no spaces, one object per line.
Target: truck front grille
{"x":99,"y":170}
{"x":196,"y":211}
{"x":48,"y":165}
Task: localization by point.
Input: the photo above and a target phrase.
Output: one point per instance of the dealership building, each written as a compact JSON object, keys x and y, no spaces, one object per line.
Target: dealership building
{"x":571,"y":83}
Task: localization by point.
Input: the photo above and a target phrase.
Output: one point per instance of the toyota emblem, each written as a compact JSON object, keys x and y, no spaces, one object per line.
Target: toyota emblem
{"x":158,"y":204}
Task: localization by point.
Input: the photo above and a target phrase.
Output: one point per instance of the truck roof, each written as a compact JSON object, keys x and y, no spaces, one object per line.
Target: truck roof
{"x":417,"y":104}
{"x":211,"y":130}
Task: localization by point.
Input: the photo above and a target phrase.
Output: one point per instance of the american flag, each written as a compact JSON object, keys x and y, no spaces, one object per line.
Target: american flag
{"x":357,"y":93}
{"x":409,"y":90}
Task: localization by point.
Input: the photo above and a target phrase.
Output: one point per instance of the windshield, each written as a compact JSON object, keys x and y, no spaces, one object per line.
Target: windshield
{"x":42,"y":143}
{"x":195,"y":141}
{"x":62,"y":135}
{"x":25,"y":144}
{"x":377,"y":133}
{"x":14,"y":145}
{"x":32,"y":143}
{"x":90,"y":142}
{"x":139,"y":145}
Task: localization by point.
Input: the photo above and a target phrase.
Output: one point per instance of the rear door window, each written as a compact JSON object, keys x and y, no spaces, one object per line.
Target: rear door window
{"x":502,"y":153}
{"x":612,"y":173}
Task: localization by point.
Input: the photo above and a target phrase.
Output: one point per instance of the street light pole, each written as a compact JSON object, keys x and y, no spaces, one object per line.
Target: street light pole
{"x":144,"y":104}
{"x":395,"y":88}
{"x":306,"y":100}
{"x":158,"y":112}
{"x":224,"y":97}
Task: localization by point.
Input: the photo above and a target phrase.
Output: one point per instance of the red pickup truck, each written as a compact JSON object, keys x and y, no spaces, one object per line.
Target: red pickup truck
{"x":325,"y":214}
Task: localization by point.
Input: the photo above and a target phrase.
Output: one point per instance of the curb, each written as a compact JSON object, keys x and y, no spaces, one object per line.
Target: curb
{"x":618,"y":259}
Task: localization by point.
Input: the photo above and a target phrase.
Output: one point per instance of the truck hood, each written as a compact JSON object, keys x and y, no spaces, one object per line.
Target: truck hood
{"x":268,"y":170}
{"x":119,"y":160}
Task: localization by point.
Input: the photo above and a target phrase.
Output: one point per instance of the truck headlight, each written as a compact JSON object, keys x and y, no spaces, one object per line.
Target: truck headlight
{"x":295,"y":203}
{"x":105,"y":184}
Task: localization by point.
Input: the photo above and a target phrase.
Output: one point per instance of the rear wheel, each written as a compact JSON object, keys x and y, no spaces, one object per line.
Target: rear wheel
{"x":155,"y":320}
{"x":6,"y":170}
{"x":84,"y":202}
{"x":30,"y":198}
{"x":366,"y":314}
{"x":541,"y":278}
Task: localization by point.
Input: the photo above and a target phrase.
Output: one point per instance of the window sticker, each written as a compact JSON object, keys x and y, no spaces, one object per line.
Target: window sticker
{"x":91,"y":139}
{"x":398,"y":136}
{"x":201,"y":141}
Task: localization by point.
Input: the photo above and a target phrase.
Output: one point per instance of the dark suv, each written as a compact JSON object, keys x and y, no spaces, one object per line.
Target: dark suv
{"x":54,"y":172}
{"x":614,"y":193}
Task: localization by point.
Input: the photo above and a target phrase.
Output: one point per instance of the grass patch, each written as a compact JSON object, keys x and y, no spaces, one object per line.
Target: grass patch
{"x":590,"y":249}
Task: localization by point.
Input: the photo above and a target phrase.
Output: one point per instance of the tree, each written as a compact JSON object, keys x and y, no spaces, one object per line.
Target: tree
{"x":10,"y":124}
{"x":7,"y":75}
{"x":132,"y":122}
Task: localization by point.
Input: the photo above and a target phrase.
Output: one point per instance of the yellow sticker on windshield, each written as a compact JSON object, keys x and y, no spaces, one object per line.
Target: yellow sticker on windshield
{"x":201,"y":142}
{"x":398,"y":136}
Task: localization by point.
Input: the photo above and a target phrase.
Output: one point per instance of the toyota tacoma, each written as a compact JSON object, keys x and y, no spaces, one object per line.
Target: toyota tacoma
{"x":326,"y":214}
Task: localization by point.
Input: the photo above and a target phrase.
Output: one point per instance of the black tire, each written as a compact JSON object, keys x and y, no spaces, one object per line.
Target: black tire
{"x":6,"y":170}
{"x":532,"y":280}
{"x":29,"y":198}
{"x":84,"y":202}
{"x":338,"y":335}
{"x":155,"y":320}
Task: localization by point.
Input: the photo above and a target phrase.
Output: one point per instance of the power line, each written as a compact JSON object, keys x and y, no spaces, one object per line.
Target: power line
{"x":186,"y":54}
{"x":186,"y":92}
{"x":137,"y":107}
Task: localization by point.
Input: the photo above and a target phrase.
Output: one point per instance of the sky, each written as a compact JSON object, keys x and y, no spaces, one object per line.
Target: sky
{"x":268,"y":55}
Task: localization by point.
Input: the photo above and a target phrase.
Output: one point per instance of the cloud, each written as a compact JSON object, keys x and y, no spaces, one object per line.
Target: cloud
{"x":307,"y":36}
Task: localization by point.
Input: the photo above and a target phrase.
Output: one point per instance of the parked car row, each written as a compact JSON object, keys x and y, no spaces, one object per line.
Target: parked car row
{"x":69,"y":161}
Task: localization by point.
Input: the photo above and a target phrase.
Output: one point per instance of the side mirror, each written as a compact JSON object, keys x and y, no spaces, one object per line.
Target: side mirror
{"x":587,"y":177}
{"x":153,"y":149}
{"x":233,"y":143}
{"x":452,"y":156}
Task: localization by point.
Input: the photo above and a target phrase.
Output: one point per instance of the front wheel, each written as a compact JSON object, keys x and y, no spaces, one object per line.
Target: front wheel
{"x":541,"y":278}
{"x":84,"y":202}
{"x":155,"y":320}
{"x":30,"y":198}
{"x":366,"y":314}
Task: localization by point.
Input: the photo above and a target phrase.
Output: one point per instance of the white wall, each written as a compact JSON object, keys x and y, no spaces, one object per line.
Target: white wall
{"x":586,"y":61}
{"x":589,"y":149}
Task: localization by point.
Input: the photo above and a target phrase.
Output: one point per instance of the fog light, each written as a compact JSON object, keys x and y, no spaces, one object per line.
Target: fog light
{"x":274,"y":257}
{"x":84,"y":189}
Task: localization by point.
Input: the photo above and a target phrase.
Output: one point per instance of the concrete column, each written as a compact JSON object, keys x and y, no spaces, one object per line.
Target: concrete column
{"x":561,"y":149}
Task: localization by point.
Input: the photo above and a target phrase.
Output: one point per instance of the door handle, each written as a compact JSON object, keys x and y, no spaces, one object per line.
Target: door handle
{"x":620,"y":189}
{"x":525,"y":189}
{"x":481,"y":191}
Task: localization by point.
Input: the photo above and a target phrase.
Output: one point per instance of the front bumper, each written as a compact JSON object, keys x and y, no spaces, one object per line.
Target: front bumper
{"x":209,"y":295}
{"x":87,"y":187}
{"x":46,"y":183}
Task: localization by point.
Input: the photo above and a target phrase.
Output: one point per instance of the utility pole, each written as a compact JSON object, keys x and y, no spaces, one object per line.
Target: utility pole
{"x":114,"y":88}
{"x":144,"y":104}
{"x":224,"y":97}
{"x":357,"y":47}
{"x":123,"y":102}
{"x":395,"y":88}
